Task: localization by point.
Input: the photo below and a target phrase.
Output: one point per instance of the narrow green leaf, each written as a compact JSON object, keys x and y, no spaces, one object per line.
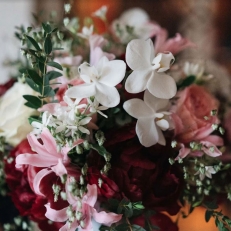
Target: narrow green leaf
{"x":208,"y":215}
{"x":34,"y":43}
{"x":100,"y":149}
{"x":54,"y":30}
{"x":188,"y":81}
{"x":53,"y":74}
{"x":33,"y":101}
{"x":58,"y":49}
{"x":56,"y":65}
{"x":48,"y":45}
{"x":35,"y":77}
{"x":48,"y":92}
{"x":32,"y":84}
{"x":41,"y":67}
{"x":32,"y":119}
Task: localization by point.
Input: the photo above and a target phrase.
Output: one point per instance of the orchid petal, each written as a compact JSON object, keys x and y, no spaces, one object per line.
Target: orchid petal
{"x":147,"y":132}
{"x":107,"y":96}
{"x":137,"y":108}
{"x":138,"y":54}
{"x":137,"y":80}
{"x":162,"y":86}
{"x":156,"y":104}
{"x":81,"y":91}
{"x":56,"y":215}
{"x":85,"y":121}
{"x":166,"y":60}
{"x":86,"y":71}
{"x":37,"y":180}
{"x":163,"y":124}
{"x":161,"y":138}
{"x":113,"y":73}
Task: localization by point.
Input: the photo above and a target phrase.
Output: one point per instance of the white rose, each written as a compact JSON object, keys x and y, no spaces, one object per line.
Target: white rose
{"x":14,"y":114}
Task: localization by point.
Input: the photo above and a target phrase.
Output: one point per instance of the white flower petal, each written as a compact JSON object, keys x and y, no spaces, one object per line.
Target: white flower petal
{"x":138,"y":54}
{"x":162,"y":86}
{"x":166,"y":60}
{"x":163,"y":124}
{"x":147,"y":132}
{"x":138,"y":109}
{"x":87,"y":72}
{"x":84,"y":130}
{"x":81,"y":91}
{"x":161,"y":138}
{"x":156,"y":104}
{"x":107,"y":96}
{"x":137,"y":80}
{"x":85,"y":121}
{"x":113,"y":72}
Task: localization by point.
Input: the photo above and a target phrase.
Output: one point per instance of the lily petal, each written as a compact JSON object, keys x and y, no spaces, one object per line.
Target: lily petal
{"x":59,"y":168}
{"x":56,"y":215}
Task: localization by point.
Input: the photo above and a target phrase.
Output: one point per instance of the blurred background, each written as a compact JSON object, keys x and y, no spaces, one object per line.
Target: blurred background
{"x":205,"y":22}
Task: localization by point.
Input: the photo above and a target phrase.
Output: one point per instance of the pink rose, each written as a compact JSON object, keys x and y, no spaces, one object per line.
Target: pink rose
{"x":193,"y":105}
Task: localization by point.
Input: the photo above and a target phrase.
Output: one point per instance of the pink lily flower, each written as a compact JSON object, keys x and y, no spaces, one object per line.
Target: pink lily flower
{"x":47,"y":157}
{"x":88,"y":212}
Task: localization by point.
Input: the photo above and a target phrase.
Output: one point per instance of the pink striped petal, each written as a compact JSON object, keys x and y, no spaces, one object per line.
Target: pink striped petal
{"x":49,"y":142}
{"x":105,"y":218}
{"x":91,"y":196}
{"x":56,"y":215}
{"x":35,"y":160}
{"x":59,"y":168}
{"x":37,"y":180}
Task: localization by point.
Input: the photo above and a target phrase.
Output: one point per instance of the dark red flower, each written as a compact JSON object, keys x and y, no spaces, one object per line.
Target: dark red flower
{"x":6,"y":86}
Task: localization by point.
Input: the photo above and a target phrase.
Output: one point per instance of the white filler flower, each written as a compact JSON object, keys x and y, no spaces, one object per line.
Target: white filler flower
{"x":148,"y":70}
{"x":151,"y":118}
{"x":100,"y":81}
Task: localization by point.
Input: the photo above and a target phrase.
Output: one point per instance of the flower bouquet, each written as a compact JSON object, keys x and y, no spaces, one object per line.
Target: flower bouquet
{"x":107,"y":131}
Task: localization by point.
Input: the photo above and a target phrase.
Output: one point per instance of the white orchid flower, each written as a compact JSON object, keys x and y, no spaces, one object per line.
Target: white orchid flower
{"x":148,"y":70}
{"x":151,"y":118}
{"x":100,"y":81}
{"x":86,"y":32}
{"x":208,"y":171}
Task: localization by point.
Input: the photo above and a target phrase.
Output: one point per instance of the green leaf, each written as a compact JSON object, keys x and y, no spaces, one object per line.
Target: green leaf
{"x":56,"y":65}
{"x":35,"y":77}
{"x":33,"y":101}
{"x":208,"y":215}
{"x":211,"y":204}
{"x":32,"y":119}
{"x":58,"y":49}
{"x":34,"y":43}
{"x":46,"y":28}
{"x":32,"y":84}
{"x":100,"y":149}
{"x":188,"y":81}
{"x":122,"y":227}
{"x":138,"y":205}
{"x":41,"y":67}
{"x":48,"y":92}
{"x":48,"y":45}
{"x":54,"y":30}
{"x":137,"y":228}
{"x":53,"y":74}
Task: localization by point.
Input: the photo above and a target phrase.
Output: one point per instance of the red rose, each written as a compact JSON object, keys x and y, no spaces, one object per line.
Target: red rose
{"x":193,"y":105}
{"x":24,"y":199}
{"x":160,"y":220}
